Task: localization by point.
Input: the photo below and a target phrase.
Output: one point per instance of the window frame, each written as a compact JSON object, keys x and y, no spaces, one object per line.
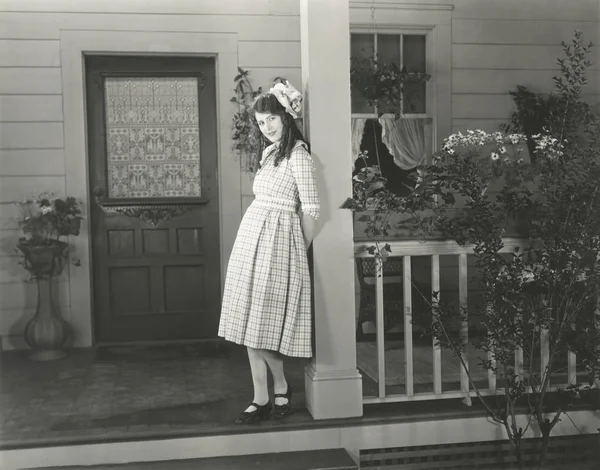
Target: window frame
{"x":429,"y":85}
{"x":436,"y":22}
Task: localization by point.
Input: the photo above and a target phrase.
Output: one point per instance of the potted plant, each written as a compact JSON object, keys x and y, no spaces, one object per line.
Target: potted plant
{"x":44,"y":220}
{"x":381,"y":84}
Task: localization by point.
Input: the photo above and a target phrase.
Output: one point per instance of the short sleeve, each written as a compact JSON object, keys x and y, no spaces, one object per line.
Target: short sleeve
{"x":304,"y":171}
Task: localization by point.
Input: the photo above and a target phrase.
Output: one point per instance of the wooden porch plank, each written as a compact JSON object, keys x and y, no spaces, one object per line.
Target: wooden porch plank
{"x":329,"y":459}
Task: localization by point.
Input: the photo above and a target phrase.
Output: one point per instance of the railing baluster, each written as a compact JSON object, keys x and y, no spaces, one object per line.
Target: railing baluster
{"x":380,"y":325}
{"x":571,"y":368}
{"x":518,"y":353}
{"x":464,"y":328}
{"x":435,"y":249}
{"x":437,"y":350}
{"x":408,"y":339}
{"x":519,"y":362}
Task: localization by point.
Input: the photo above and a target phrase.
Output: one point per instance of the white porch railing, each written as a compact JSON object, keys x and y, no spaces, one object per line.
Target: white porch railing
{"x":434,"y":249}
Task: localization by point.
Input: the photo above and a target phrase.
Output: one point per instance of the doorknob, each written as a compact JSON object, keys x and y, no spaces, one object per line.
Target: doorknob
{"x":99,"y":194}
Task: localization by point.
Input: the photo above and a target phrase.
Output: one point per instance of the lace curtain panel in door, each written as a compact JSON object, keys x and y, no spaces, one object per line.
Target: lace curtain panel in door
{"x":153,"y":138}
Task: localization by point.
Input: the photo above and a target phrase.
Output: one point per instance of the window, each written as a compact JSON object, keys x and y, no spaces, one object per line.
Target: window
{"x":406,"y":51}
{"x":396,"y":145}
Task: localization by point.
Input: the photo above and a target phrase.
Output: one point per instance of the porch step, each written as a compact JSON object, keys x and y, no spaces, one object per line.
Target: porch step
{"x":329,"y":459}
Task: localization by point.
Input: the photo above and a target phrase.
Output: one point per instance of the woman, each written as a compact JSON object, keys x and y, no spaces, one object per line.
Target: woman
{"x":266,"y":302}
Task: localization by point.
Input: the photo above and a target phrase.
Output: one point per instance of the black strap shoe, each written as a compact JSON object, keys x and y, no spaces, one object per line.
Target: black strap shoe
{"x":281,"y":411}
{"x":261,"y":413}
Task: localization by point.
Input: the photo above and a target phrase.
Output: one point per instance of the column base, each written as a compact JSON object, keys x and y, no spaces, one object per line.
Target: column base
{"x":333,"y":394}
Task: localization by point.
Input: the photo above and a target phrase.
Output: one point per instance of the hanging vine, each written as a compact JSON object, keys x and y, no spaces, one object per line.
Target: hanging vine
{"x":381,"y":84}
{"x":242,"y":135}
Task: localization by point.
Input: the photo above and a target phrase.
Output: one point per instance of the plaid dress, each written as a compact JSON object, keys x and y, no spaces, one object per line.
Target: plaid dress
{"x":266,"y":301}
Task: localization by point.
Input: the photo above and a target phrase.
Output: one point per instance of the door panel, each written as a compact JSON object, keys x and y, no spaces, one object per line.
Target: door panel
{"x":152,"y":165}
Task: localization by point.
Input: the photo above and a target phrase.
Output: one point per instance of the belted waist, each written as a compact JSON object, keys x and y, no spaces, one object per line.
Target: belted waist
{"x":273,"y":203}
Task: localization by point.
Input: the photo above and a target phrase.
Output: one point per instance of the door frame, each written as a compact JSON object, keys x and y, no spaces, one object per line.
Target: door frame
{"x":74,"y":45}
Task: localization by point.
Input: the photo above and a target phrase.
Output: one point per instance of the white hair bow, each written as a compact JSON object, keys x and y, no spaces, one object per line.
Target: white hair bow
{"x":289,"y":97}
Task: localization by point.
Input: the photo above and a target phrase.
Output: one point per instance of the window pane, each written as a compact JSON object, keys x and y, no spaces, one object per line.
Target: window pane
{"x":414,"y":53}
{"x":152,"y":137}
{"x":362,"y":46}
{"x":388,"y":52}
{"x":415,"y":98}
{"x":388,"y":48}
{"x":414,"y":59}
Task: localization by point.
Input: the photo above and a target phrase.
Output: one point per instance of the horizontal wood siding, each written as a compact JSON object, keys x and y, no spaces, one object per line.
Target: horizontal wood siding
{"x":32,"y":155}
{"x":499,"y":45}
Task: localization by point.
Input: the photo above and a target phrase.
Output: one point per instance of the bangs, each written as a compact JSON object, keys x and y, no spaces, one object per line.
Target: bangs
{"x":267,"y":104}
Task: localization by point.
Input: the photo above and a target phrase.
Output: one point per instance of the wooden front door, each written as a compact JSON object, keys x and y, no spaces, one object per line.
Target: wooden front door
{"x":152,"y":131}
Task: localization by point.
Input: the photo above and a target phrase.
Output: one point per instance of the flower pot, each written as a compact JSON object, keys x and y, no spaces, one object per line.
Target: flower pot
{"x":47,"y":332}
{"x":43,"y":260}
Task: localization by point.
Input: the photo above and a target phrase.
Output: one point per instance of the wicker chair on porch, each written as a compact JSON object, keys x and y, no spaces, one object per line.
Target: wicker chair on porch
{"x":392,"y":298}
{"x":393,"y":294}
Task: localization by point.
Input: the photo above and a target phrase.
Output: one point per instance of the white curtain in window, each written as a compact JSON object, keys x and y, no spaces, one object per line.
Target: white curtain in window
{"x":358,"y":129}
{"x":405,"y":139}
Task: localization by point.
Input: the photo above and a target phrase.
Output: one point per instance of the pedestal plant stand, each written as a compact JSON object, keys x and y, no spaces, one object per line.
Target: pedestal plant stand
{"x":47,"y":332}
{"x":44,"y":220}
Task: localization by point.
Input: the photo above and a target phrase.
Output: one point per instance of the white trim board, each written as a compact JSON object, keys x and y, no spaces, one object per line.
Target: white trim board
{"x":351,"y":437}
{"x":74,"y":44}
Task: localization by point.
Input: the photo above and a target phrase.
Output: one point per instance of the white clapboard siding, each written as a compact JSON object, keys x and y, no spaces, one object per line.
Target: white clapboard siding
{"x":8,"y":241}
{"x":520,"y":32}
{"x":503,"y":81}
{"x":16,"y":188}
{"x":488,"y":125}
{"x":12,"y":324}
{"x":476,"y":106}
{"x":264,"y":76}
{"x":31,"y":135}
{"x":32,"y":162}
{"x":482,"y":106}
{"x":184,"y":7}
{"x":516,"y":10}
{"x":23,"y":295}
{"x":39,"y":53}
{"x":269,"y":54}
{"x":506,"y":9}
{"x":10,"y":269}
{"x":523,"y":10}
{"x":8,"y":212}
{"x":501,"y":57}
{"x":28,"y":80}
{"x":249,"y":28}
{"x":31,"y":108}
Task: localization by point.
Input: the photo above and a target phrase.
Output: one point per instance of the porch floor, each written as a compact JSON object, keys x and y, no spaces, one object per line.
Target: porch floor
{"x":85,"y":397}
{"x":91,"y":396}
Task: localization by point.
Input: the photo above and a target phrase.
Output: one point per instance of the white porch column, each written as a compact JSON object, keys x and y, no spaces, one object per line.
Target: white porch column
{"x":333,"y":385}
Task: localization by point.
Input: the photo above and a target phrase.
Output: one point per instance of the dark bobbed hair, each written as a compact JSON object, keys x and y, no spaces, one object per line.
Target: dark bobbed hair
{"x":267,"y":103}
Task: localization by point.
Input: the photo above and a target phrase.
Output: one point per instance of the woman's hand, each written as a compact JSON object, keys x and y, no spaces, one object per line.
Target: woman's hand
{"x":310,"y":226}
